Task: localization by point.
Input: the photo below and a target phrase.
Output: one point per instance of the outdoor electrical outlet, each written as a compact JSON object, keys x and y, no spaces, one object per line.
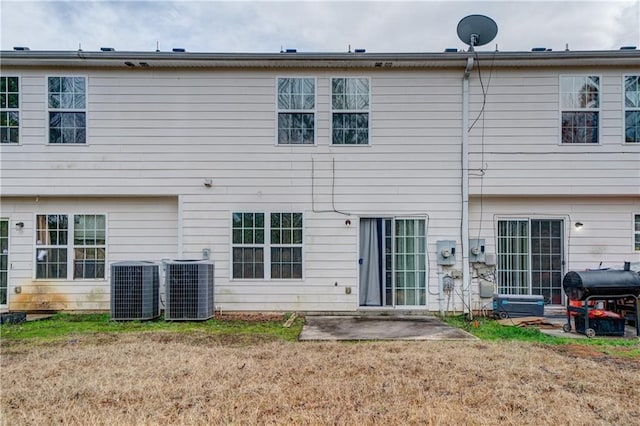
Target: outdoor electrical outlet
{"x":456,"y":273}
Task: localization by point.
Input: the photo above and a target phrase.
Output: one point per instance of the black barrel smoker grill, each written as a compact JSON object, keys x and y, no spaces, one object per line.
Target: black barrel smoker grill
{"x":608,"y":285}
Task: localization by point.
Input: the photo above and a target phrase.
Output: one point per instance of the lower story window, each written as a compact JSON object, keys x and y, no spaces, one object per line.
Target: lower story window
{"x":9,"y":126}
{"x":248,"y":262}
{"x":286,"y":245}
{"x":70,"y":246}
{"x":267,"y":249}
{"x":89,"y":246}
{"x":636,"y":234}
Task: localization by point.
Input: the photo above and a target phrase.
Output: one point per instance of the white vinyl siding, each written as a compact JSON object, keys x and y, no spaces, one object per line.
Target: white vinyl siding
{"x":516,"y":151}
{"x":157,"y":135}
{"x":603,"y":241}
{"x":141,"y":228}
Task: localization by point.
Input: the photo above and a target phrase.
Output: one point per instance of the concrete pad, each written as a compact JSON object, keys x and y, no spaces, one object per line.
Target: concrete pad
{"x":380,"y":328}
{"x":38,"y":317}
{"x":558,"y":332}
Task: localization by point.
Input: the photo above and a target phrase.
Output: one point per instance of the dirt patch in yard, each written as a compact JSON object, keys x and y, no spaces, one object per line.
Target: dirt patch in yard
{"x":624,"y":356}
{"x":251,"y":317}
{"x":192,"y":378}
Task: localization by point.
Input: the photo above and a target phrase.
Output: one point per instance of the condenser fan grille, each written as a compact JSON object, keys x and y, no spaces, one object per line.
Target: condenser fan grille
{"x":135,"y":288}
{"x":189,"y":290}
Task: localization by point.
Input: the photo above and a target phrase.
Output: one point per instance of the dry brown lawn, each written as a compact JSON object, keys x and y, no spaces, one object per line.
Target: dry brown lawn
{"x":166,"y":379}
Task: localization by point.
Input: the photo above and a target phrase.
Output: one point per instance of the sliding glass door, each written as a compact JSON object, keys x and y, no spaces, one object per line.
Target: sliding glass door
{"x":531,"y":257}
{"x":4,"y":261}
{"x":392,"y":262}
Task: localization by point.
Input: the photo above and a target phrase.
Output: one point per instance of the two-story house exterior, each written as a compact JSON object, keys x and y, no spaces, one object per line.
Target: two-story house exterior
{"x":318,"y":181}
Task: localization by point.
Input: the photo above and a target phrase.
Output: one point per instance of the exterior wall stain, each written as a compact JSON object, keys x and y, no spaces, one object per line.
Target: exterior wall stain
{"x":97,"y":295}
{"x":41,"y":297}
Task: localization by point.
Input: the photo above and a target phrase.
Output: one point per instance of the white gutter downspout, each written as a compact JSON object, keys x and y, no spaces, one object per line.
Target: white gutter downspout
{"x":180,"y":226}
{"x":440,"y":291}
{"x":466,"y":280}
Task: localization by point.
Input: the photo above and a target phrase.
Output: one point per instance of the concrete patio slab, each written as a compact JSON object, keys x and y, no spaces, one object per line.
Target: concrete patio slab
{"x":380,"y":328}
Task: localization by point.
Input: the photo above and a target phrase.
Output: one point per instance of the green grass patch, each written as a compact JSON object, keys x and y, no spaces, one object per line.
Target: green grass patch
{"x":490,"y":329}
{"x":64,"y":325}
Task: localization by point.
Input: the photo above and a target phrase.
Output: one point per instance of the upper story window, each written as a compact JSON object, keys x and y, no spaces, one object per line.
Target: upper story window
{"x":75,"y":247}
{"x":632,"y":110}
{"x":270,"y":249}
{"x":580,"y":108}
{"x":67,"y":102}
{"x":350,"y":107}
{"x":9,"y":110}
{"x":296,"y":110}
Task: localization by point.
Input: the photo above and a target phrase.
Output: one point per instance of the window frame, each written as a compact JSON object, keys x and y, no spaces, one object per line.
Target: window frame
{"x":84,"y":110}
{"x":313,"y":111}
{"x":267,"y":245}
{"x":291,"y":245}
{"x":333,"y":110}
{"x":562,"y":109}
{"x":18,"y":110}
{"x":635,"y":233}
{"x":243,"y":245}
{"x":626,"y":109}
{"x":70,"y":246}
{"x":7,"y":221}
{"x":91,"y":246}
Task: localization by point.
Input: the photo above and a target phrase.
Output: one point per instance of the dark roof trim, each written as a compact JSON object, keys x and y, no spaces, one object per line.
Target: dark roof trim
{"x":314,"y":60}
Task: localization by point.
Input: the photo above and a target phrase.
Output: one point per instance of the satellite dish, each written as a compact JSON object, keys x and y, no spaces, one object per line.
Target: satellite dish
{"x":477,"y":30}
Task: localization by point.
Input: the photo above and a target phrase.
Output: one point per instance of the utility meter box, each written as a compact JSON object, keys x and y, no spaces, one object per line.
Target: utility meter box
{"x":476,"y":250}
{"x":446,"y":252}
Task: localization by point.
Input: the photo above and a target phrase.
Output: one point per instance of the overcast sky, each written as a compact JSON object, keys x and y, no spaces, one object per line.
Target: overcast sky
{"x":313,"y":26}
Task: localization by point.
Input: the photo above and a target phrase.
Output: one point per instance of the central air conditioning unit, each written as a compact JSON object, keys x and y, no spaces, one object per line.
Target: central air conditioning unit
{"x":135,"y":291}
{"x":189,"y":290}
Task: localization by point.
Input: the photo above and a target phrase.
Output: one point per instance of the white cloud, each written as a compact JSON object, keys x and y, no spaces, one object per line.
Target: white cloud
{"x":262,"y":26}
